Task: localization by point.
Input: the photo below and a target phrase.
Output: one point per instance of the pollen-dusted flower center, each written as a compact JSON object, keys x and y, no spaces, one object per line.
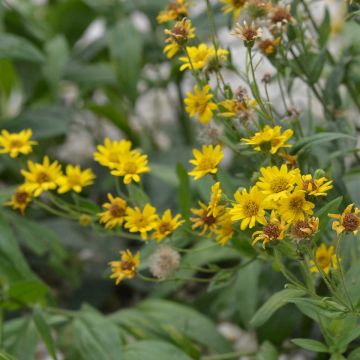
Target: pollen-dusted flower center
{"x":309,"y":185}
{"x":206,"y":163}
{"x":249,"y":33}
{"x":297,"y":229}
{"x":200,"y":106}
{"x":281,"y":15}
{"x":351,"y":222}
{"x":130,"y":167}
{"x":127,"y":266}
{"x":272,"y":231}
{"x":116,"y":211}
{"x":296,"y":203}
{"x":238,"y":3}
{"x":42,"y":177}
{"x":250,"y":208}
{"x":164,"y":227}
{"x":21,"y":197}
{"x":14,"y":144}
{"x":208,"y":219}
{"x":279,"y":184}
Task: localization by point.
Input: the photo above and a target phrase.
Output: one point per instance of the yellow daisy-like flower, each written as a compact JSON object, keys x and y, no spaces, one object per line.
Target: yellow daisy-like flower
{"x":213,"y":207}
{"x":325,"y":258}
{"x":175,"y":10}
{"x":233,"y":6}
{"x":249,"y":208}
{"x":314,"y":187}
{"x":270,"y":139}
{"x":198,"y":103}
{"x":225,"y":230}
{"x":276,"y":183}
{"x":166,"y":225}
{"x":115,"y":212}
{"x":126,"y":267}
{"x":234,"y":107}
{"x":20,"y":200}
{"x":200,"y":56}
{"x":206,"y":161}
{"x":142,"y":221}
{"x":41,"y":177}
{"x":348,"y":221}
{"x":75,"y":179}
{"x":15,"y":144}
{"x":203,"y":220}
{"x":110,"y":153}
{"x":274,"y":230}
{"x":295,"y":206}
{"x":131,"y":166}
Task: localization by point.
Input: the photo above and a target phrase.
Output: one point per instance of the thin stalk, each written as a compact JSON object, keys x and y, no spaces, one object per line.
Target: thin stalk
{"x":228,"y":356}
{"x":53,"y":211}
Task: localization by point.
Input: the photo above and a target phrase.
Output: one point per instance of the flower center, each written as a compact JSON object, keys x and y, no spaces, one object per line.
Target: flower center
{"x":130,"y":167}
{"x":309,"y":185}
{"x":351,"y":222}
{"x":281,"y":16}
{"x":238,"y":3}
{"x":279,"y":184}
{"x":164,"y":227}
{"x":116,"y":211}
{"x":14,"y":144}
{"x":297,"y":229}
{"x":127,"y":266}
{"x":42,"y":177}
{"x":296,"y":204}
{"x":21,"y":197}
{"x":323,"y":260}
{"x":250,"y":208}
{"x":208,"y":219}
{"x":206,"y":163}
{"x":272,"y":231}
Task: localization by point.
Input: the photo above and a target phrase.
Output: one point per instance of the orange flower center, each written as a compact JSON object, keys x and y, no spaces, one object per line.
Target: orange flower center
{"x":21,"y":197}
{"x":272,"y":231}
{"x":351,"y":222}
{"x":296,"y":204}
{"x":250,"y":208}
{"x":42,"y":177}
{"x":116,"y":211}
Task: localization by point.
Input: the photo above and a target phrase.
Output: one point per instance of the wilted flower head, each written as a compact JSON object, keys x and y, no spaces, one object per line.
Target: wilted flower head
{"x":247,"y":32}
{"x":280,"y":17}
{"x":163,"y":262}
{"x":181,"y":32}
{"x":269,"y":46}
{"x":175,"y":10}
{"x":304,"y":229}
{"x":257,"y":8}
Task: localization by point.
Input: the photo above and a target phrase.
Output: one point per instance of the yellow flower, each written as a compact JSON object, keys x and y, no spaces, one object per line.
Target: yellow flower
{"x":249,"y":208}
{"x":224,"y":230}
{"x":213,"y":208}
{"x":268,"y":46}
{"x":126,"y":267}
{"x":206,"y":161}
{"x":141,"y":221}
{"x":166,"y":225}
{"x":304,"y":229}
{"x":348,"y":221}
{"x":295,"y":206}
{"x":20,"y":200}
{"x":175,"y":10}
{"x":325,"y":258}
{"x":198,"y":103}
{"x":75,"y":179}
{"x":200,"y":56}
{"x":110,"y":153}
{"x":16,"y":143}
{"x":276,"y":183}
{"x":115,"y":212}
{"x":272,"y":231}
{"x":41,"y":176}
{"x":270,"y":139}
{"x":204,"y":220}
{"x":314,"y":187}
{"x":234,"y":107}
{"x":131,"y":166}
{"x":171,"y":49}
{"x":233,"y":6}
{"x":84,"y":220}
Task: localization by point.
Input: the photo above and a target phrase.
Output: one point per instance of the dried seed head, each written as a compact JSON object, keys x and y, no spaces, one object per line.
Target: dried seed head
{"x":163,"y":262}
{"x":351,"y":222}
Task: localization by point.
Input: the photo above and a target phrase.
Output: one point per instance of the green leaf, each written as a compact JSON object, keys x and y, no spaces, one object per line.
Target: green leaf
{"x":307,"y":142}
{"x":324,"y":29}
{"x":317,"y":66}
{"x":137,"y":195}
{"x":153,"y":350}
{"x":15,"y":47}
{"x":355,"y":354}
{"x":187,"y":321}
{"x":28,"y":292}
{"x":352,"y":180}
{"x":6,"y":356}
{"x":274,"y":303}
{"x":184,"y":192}
{"x":45,"y":122}
{"x":312,"y":345}
{"x":95,"y":336}
{"x":8,"y":77}
{"x":44,"y":331}
{"x":126,"y":46}
{"x":267,"y":351}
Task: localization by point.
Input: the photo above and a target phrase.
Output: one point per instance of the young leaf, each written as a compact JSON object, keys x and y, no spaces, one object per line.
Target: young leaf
{"x":312,"y":345}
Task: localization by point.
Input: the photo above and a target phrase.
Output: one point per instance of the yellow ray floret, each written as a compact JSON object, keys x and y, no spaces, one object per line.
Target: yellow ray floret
{"x":325,"y":259}
{"x":15,"y":144}
{"x":20,"y":199}
{"x":166,"y":225}
{"x":115,"y":211}
{"x":126,"y":267}
{"x":75,"y":179}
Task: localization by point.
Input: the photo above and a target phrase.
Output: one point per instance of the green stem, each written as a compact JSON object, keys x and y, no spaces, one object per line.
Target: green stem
{"x":52,"y":210}
{"x":228,"y":356}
